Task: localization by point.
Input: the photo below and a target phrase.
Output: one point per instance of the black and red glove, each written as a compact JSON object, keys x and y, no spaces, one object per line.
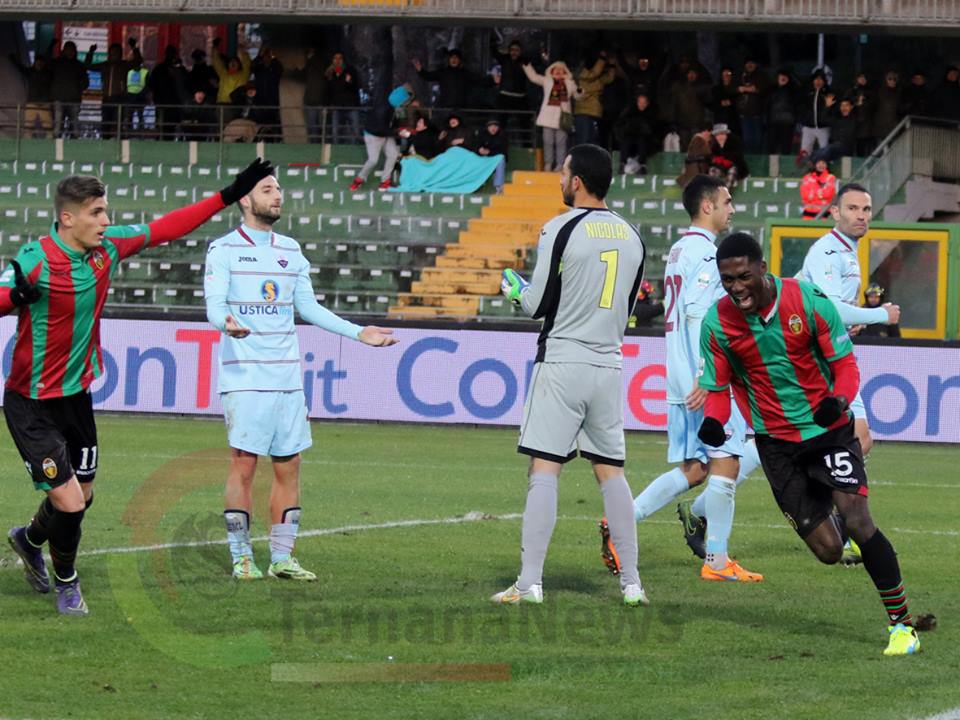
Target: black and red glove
{"x":246,"y":180}
{"x":23,"y":291}
{"x":830,"y":410}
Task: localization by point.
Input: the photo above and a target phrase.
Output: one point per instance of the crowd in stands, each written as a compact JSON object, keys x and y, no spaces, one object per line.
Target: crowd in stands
{"x":621,"y":100}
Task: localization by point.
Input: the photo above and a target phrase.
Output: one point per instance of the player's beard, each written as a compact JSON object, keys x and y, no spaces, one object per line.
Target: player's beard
{"x":567,"y":194}
{"x":266,"y":214}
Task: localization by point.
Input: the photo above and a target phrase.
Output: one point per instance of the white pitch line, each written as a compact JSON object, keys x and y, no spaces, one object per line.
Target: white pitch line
{"x":946,"y":715}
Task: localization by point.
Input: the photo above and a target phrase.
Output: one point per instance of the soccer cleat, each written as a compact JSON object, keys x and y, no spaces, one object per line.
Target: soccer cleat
{"x":851,"y":554}
{"x":608,"y":553}
{"x":903,"y":640}
{"x":385,"y":185}
{"x":70,"y":599}
{"x":514,"y":595}
{"x":731,"y":573}
{"x":245,"y":569}
{"x":34,"y":567}
{"x":357,"y":182}
{"x":512,"y":285}
{"x":290,"y":569}
{"x":634,"y":596}
{"x":694,"y":529}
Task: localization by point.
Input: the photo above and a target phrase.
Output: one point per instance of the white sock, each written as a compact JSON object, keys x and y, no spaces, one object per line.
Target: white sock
{"x":283,"y":535}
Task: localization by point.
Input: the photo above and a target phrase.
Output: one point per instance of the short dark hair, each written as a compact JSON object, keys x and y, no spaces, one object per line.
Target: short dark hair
{"x":701,"y":187}
{"x":594,"y":166}
{"x":848,"y":187}
{"x":76,"y":190}
{"x":739,"y":244}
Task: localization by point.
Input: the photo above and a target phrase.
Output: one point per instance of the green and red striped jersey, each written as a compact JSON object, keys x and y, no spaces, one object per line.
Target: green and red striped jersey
{"x":57,"y":350}
{"x":778,"y":364}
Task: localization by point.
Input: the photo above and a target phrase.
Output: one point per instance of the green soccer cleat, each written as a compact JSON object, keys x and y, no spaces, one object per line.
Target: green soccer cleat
{"x":634,"y":596}
{"x":694,"y":529}
{"x":514,"y":595}
{"x":245,"y":569}
{"x":851,"y":554}
{"x":903,"y":640}
{"x":290,"y":569}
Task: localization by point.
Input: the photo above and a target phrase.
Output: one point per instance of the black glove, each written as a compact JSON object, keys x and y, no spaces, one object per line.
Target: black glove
{"x":246,"y":180}
{"x":22,"y":293}
{"x":712,"y":432}
{"x":829,"y":411}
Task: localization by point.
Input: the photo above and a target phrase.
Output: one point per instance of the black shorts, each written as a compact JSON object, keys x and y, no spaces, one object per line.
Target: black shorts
{"x":804,"y":475}
{"x":56,"y":438}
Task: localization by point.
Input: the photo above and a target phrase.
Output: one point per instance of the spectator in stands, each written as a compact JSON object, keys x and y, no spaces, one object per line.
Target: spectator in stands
{"x":724,"y":99}
{"x":454,"y":80}
{"x":646,"y":308}
{"x":245,"y":115}
{"x":817,"y":190}
{"x":199,"y":118}
{"x":511,"y":84}
{"x":136,"y":99}
{"x":782,"y":114}
{"x":616,"y":97}
{"x":699,"y":152}
{"x":843,"y":131}
{"x":202,"y":77}
{"x":491,"y":140}
{"x":556,"y":111}
{"x":38,"y":112}
{"x":886,"y":114}
{"x":380,"y":135}
{"x":753,"y":88}
{"x":267,"y":70}
{"x":343,"y":95}
{"x":727,"y":160}
{"x":677,"y":75}
{"x":689,"y":100}
{"x":592,"y":77}
{"x":813,"y":116}
{"x":113,"y":82}
{"x":636,"y":133}
{"x":314,"y":74}
{"x":455,"y":133}
{"x":168,"y":85}
{"x":66,"y":88}
{"x":233,"y":74}
{"x":948,"y":94}
{"x":864,"y":101}
{"x":425,"y":140}
{"x":643,"y":79}
{"x":916,"y":97}
{"x":874,"y":297}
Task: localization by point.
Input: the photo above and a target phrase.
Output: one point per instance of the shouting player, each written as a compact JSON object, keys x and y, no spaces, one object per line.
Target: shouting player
{"x":782,"y":346}
{"x":60,"y":285}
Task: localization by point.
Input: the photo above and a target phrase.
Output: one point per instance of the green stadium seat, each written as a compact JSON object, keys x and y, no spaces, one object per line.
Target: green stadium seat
{"x":379,"y":279}
{"x":135,"y":270}
{"x":348,"y":303}
{"x":379,"y":304}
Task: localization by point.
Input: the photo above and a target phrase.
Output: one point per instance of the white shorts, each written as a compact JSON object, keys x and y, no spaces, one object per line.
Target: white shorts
{"x":683,"y":443}
{"x":267,"y":422}
{"x":858,"y":408}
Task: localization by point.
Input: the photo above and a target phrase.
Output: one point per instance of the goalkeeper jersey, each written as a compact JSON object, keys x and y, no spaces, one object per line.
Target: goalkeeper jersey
{"x":260,"y":278}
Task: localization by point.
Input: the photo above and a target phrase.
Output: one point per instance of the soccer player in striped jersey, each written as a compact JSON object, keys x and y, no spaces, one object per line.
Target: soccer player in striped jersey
{"x":691,"y":286}
{"x":254,"y":281}
{"x":783,"y":348}
{"x":59,"y":283}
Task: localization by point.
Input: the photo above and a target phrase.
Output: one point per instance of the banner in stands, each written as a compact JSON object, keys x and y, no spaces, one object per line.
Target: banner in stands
{"x":469,"y":376}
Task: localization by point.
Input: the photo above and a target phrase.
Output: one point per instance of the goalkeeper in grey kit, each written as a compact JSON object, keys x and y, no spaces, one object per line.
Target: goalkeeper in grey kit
{"x":589,"y":268}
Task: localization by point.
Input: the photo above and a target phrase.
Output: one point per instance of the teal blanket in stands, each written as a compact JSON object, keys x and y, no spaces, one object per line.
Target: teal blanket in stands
{"x":453,"y":171}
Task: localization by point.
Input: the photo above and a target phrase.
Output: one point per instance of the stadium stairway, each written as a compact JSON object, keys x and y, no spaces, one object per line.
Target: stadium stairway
{"x":468,"y":272}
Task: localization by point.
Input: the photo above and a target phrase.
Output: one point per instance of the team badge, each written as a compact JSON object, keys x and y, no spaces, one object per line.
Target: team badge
{"x":49,"y":468}
{"x":796,"y":324}
{"x":270,"y":290}
{"x":98,"y":259}
{"x":282,"y":262}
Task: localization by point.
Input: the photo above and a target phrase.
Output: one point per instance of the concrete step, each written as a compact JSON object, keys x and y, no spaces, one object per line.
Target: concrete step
{"x":453,"y":287}
{"x":458,"y":275}
{"x":504,"y":227}
{"x":477,"y":263}
{"x":532,"y":177}
{"x":457,"y":303}
{"x":535,"y":215}
{"x":524,"y":204}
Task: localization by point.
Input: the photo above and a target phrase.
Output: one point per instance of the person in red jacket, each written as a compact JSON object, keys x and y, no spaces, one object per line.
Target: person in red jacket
{"x":817,"y":190}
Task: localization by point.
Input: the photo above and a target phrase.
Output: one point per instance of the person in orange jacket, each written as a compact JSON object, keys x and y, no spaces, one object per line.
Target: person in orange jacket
{"x":817,"y":189}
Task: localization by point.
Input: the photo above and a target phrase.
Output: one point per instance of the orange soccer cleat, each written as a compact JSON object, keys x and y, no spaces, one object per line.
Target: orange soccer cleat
{"x":731,"y":573}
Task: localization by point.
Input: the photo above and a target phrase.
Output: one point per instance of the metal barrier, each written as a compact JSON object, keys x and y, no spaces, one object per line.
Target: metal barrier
{"x":890,"y":13}
{"x":228,"y":124}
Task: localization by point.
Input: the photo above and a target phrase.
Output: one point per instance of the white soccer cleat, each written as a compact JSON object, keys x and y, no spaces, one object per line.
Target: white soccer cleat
{"x":514,"y":596}
{"x":634,"y":596}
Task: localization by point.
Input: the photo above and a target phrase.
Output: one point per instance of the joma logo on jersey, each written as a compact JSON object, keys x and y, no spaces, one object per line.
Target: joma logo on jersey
{"x":246,"y":258}
{"x":796,"y":324}
{"x":270,"y":290}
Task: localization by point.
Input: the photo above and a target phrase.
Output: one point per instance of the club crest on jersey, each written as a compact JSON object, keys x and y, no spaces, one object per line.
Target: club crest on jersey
{"x":796,"y":324}
{"x":282,"y":262}
{"x":270,"y":290}
{"x":49,"y":468}
{"x":98,"y":259}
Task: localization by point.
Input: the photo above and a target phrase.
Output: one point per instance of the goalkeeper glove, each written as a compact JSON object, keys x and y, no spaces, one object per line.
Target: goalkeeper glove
{"x":246,"y":180}
{"x":712,"y":432}
{"x":22,"y":292}
{"x":829,"y":411}
{"x":512,"y":286}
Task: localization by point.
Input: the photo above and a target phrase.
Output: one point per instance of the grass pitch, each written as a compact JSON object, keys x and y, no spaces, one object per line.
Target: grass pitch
{"x":410,"y":529}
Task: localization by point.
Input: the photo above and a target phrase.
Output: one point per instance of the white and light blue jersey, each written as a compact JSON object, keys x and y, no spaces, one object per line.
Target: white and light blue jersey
{"x":832,"y":265}
{"x":691,"y":286}
{"x":260,"y":279}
